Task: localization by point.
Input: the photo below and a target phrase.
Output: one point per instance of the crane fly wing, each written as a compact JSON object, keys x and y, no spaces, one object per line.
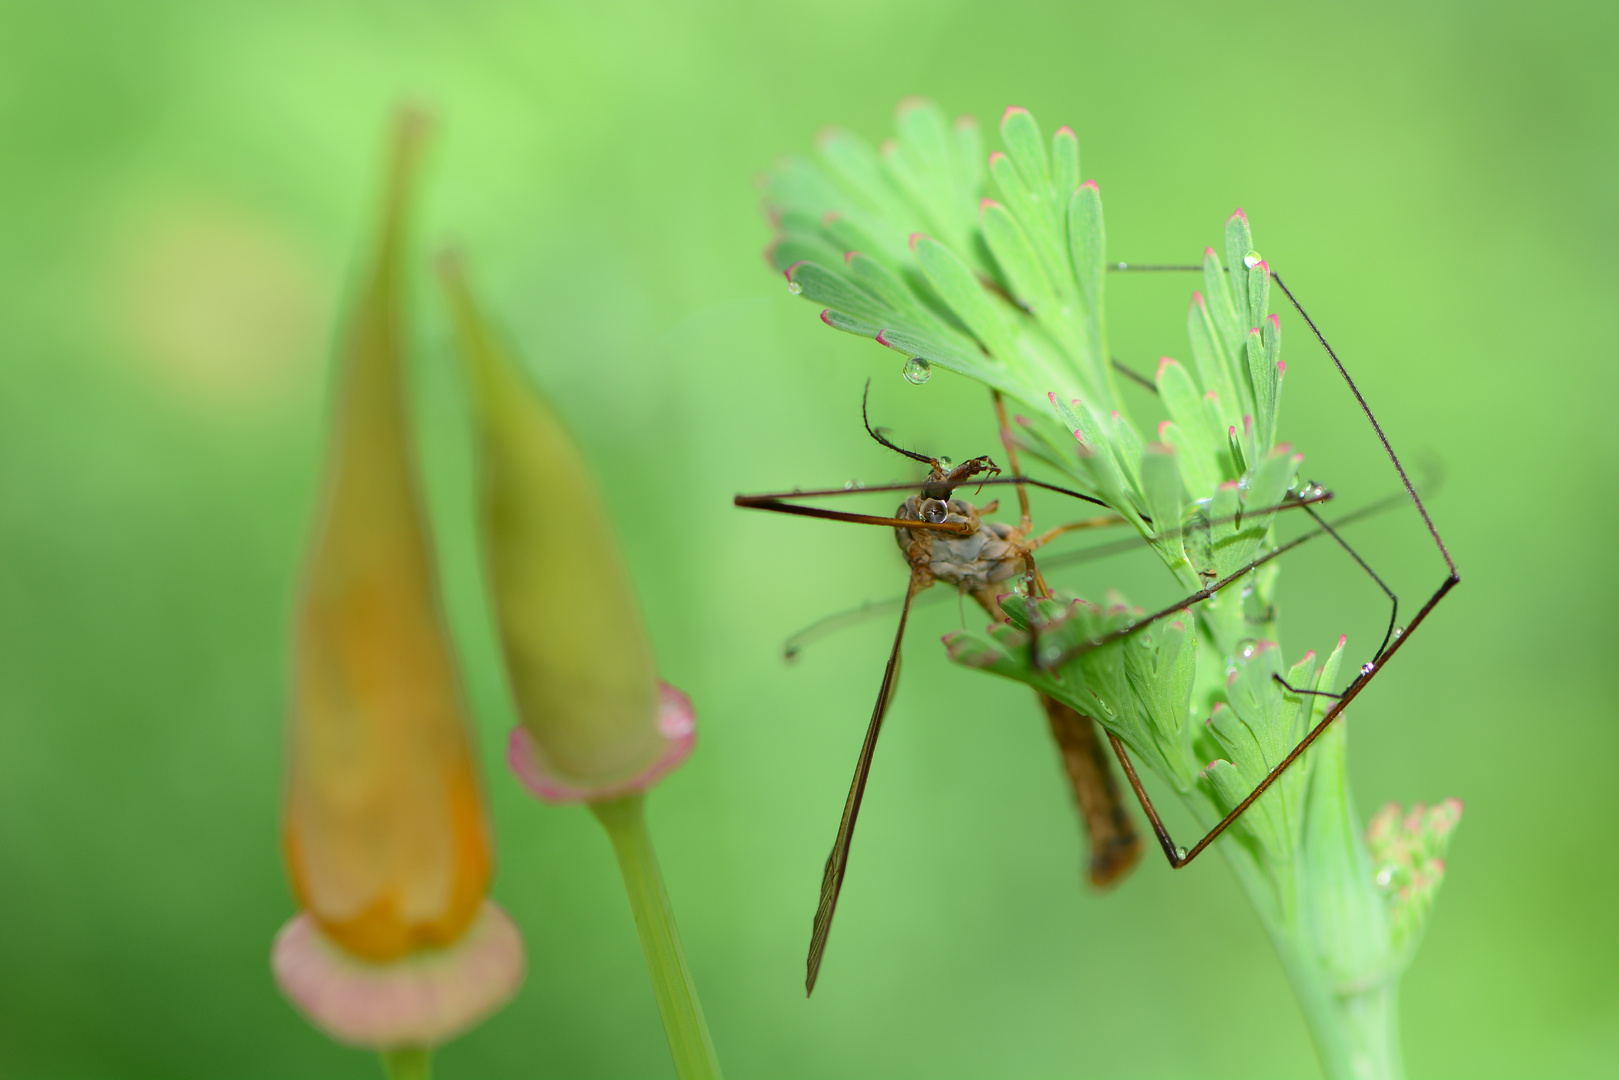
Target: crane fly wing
{"x":838,"y":861}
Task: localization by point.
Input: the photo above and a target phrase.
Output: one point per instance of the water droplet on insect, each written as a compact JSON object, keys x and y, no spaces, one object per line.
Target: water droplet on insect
{"x":1367,"y":668}
{"x":917,"y":370}
{"x":794,"y":287}
{"x":850,"y":485}
{"x":1399,"y":632}
{"x":946,"y":462}
{"x":1180,"y":853}
{"x":1251,"y":259}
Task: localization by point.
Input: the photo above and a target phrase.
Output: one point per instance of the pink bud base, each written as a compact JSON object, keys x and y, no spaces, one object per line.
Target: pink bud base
{"x":420,"y":1000}
{"x":677,"y":724}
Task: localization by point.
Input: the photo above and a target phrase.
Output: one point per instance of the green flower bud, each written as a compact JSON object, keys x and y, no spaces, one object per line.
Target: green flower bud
{"x":595,"y":721}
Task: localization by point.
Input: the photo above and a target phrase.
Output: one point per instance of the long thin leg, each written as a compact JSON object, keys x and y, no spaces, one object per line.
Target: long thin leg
{"x":837,"y":863}
{"x":1135,"y":376}
{"x":990,"y":481}
{"x":1036,"y":584}
{"x":1394,"y":601}
{"x":1382,"y":438}
{"x":1180,"y":605}
{"x":759,"y":502}
{"x":1179,"y":857}
{"x":1025,"y":523}
{"x":1073,"y":526}
{"x":1410,"y":488}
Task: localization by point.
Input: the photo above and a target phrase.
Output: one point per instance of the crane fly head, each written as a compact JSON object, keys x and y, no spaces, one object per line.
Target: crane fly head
{"x":944,"y":476}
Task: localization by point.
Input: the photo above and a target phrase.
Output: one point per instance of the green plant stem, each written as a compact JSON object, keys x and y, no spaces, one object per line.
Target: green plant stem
{"x":409,"y":1063}
{"x":1354,"y":1029}
{"x":689,"y":1044}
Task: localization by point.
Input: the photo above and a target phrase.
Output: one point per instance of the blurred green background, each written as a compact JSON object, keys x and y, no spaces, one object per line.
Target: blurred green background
{"x":184,"y":189}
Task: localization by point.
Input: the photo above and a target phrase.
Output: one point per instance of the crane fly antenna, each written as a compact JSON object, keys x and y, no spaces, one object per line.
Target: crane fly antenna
{"x":837,"y":863}
{"x":876,"y":433}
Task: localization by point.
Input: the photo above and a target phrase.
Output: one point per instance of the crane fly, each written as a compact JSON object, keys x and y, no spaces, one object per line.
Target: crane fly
{"x":947,"y":539}
{"x":990,"y":553}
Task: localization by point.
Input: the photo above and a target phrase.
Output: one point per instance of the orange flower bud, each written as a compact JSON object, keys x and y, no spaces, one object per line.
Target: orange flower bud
{"x":385,"y":833}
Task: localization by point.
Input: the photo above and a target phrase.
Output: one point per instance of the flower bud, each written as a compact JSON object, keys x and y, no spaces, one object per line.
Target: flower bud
{"x":385,"y":833}
{"x":595,"y":721}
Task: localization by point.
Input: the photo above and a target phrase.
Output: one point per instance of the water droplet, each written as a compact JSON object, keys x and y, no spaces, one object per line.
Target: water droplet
{"x":850,"y":485}
{"x":794,"y":287}
{"x":1180,"y":853}
{"x":1251,"y":259}
{"x":1384,"y":876}
{"x":917,"y":370}
{"x":1050,"y":654}
{"x":1367,"y":668}
{"x":946,"y":462}
{"x":1399,"y":632}
{"x":1247,"y":652}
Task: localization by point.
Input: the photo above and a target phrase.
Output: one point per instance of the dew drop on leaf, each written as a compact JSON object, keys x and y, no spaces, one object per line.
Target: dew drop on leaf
{"x":794,"y":287}
{"x":917,"y":370}
{"x":1251,"y":259}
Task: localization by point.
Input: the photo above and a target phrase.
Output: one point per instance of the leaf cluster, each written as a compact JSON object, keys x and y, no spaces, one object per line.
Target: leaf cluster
{"x":907,"y":245}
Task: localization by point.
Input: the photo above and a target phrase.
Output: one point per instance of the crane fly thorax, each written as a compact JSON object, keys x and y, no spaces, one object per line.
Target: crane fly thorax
{"x":990,"y":552}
